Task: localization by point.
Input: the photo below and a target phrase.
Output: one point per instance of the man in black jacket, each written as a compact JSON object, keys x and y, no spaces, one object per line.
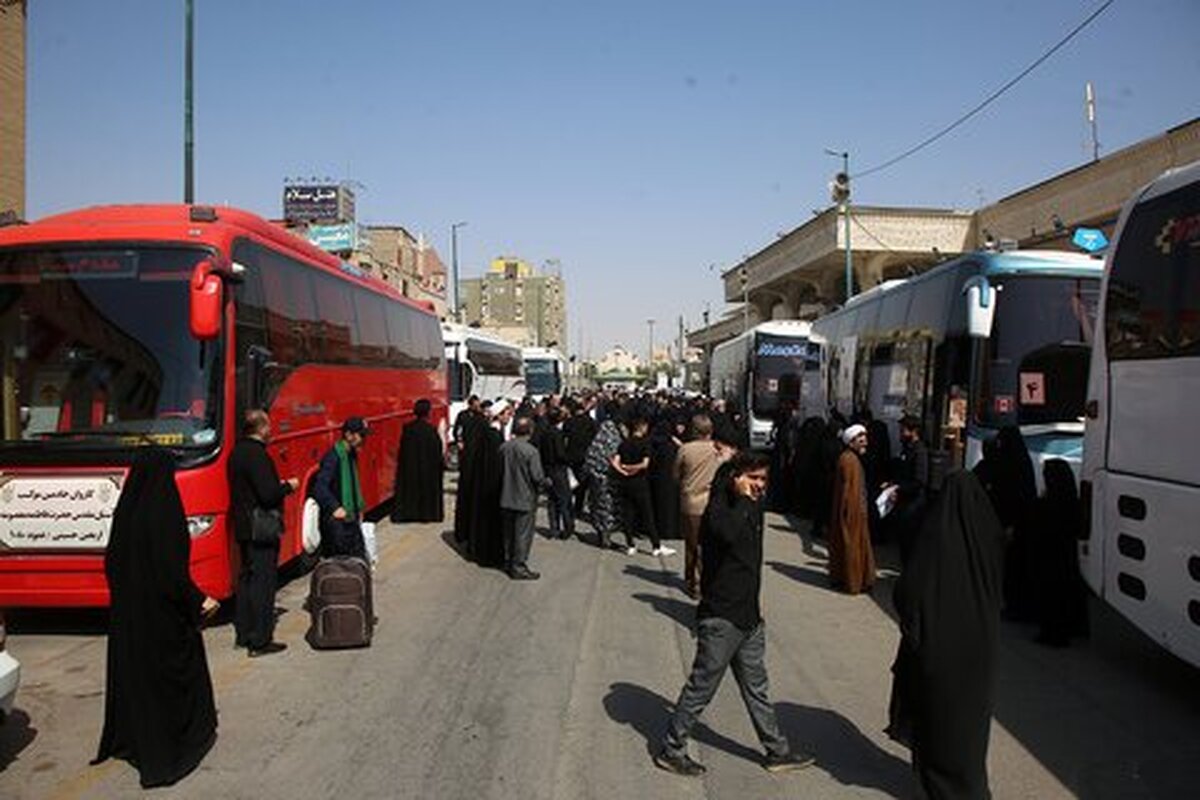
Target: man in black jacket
{"x":254,"y":483}
{"x":579,"y":430}
{"x":553,"y":449}
{"x":729,"y":627}
{"x":912,"y":480}
{"x":338,"y":491}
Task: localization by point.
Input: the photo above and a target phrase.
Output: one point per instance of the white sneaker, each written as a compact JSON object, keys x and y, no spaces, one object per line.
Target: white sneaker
{"x":631,"y":551}
{"x":663,"y":551}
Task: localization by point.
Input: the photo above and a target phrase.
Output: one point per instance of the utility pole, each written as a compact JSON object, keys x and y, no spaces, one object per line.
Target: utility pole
{"x":189,"y":192}
{"x":456,"y":311}
{"x":679,"y":370}
{"x":1090,"y":97}
{"x":840,"y":192}
{"x":744,"y":276}
{"x":650,"y":360}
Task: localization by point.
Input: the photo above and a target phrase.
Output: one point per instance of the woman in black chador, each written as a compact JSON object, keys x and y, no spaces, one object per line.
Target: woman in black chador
{"x":1062,"y":598}
{"x":158,"y":711}
{"x":418,"y":489}
{"x":479,"y":484}
{"x":664,"y":487}
{"x":1014,"y":493}
{"x":948,"y":601}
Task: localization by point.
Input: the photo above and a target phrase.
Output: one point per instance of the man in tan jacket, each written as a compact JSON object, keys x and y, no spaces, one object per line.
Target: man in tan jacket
{"x":695,"y":467}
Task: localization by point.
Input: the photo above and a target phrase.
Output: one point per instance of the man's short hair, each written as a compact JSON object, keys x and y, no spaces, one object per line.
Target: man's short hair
{"x":749,"y":461}
{"x":253,"y":421}
{"x":910,"y":422}
{"x":421,"y":408}
{"x":522,"y":426}
{"x":702,"y":425}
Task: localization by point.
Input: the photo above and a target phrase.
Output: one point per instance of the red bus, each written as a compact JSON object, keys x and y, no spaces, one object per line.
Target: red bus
{"x":123,"y":326}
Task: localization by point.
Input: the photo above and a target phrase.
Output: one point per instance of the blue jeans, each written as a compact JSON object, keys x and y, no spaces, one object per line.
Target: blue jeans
{"x":721,"y":644}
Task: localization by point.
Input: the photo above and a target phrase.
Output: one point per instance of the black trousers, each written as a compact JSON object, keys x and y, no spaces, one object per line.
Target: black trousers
{"x":558,"y":503}
{"x":637,"y":507}
{"x":342,"y":538}
{"x":254,"y":617}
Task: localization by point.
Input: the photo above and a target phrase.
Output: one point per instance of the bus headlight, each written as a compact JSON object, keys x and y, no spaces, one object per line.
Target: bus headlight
{"x":200,"y":524}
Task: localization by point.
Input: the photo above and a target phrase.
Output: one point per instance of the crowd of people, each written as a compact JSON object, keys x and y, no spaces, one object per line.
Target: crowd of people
{"x":636,"y":465}
{"x":973,"y":545}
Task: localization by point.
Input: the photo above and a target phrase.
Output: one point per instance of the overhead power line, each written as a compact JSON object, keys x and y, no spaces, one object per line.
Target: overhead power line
{"x":990,"y":98}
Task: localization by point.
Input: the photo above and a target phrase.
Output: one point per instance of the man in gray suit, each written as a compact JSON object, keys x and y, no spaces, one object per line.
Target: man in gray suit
{"x":523,"y":476}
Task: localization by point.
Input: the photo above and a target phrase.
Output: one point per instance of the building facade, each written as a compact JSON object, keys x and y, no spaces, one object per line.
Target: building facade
{"x":518,"y":302}
{"x":802,"y":274}
{"x":12,"y":110}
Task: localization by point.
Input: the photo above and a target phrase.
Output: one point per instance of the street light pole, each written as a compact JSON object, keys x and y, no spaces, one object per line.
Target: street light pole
{"x":650,"y":360}
{"x":188,"y":143}
{"x":841,"y":194}
{"x":456,"y":311}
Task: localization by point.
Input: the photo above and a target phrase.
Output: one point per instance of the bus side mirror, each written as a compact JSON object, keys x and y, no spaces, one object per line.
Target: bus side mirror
{"x":205,"y":302}
{"x":981,"y":306}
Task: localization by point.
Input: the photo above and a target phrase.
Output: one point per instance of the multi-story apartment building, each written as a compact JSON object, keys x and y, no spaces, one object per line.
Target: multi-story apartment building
{"x":517,"y":301}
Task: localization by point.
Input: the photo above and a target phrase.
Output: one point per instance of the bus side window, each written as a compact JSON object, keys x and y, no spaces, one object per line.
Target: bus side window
{"x":251,"y":318}
{"x":1152,"y":309}
{"x":336,"y":314}
{"x":289,"y":310}
{"x":370,"y":334}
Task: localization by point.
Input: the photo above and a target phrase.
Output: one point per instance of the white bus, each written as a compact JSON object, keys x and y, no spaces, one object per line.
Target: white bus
{"x":545,"y":371}
{"x":761,"y":369}
{"x":987,"y":340}
{"x":481,"y":364}
{"x":1141,"y":473}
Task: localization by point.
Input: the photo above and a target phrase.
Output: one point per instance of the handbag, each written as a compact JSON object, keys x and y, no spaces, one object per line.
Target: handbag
{"x":266,"y":526}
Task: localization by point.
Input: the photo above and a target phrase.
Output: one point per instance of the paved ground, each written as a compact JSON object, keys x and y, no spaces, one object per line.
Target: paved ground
{"x":478,"y":687}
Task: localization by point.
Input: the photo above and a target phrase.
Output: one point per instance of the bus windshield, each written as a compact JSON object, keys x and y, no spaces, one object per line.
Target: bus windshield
{"x":1036,"y":367}
{"x":779,"y":363}
{"x":95,"y":351}
{"x":541,"y":376}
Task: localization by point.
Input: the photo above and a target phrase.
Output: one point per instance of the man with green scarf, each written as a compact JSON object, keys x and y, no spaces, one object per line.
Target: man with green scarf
{"x":338,"y":492}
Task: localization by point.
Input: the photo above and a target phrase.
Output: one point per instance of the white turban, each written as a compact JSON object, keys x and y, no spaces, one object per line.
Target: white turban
{"x":849,"y":434}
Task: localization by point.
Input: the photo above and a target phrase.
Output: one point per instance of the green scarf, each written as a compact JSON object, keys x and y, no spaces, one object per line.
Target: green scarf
{"x":352,"y":497}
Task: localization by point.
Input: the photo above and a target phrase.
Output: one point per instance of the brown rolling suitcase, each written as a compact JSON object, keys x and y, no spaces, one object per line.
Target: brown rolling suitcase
{"x":339,"y":604}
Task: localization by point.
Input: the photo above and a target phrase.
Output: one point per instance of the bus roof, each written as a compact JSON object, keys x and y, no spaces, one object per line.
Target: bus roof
{"x":801,"y":329}
{"x":453,"y":332}
{"x":175,"y":223}
{"x":1058,"y":262}
{"x":1003,"y":262}
{"x":541,"y":352}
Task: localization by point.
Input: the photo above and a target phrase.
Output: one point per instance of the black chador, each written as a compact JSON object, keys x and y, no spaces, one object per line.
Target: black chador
{"x":159,"y":713}
{"x":472,"y":424}
{"x":477,"y":506}
{"x":418,"y":491}
{"x":948,"y":601}
{"x":664,"y":487}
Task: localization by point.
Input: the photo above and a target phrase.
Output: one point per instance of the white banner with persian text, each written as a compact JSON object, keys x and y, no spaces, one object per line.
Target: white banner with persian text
{"x":57,"y":513}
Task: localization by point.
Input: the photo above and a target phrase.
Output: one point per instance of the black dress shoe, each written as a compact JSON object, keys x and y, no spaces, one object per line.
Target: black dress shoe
{"x":523,"y":574}
{"x":267,"y":649}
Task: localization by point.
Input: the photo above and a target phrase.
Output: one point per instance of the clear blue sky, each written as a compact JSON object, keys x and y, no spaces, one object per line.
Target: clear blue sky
{"x":636,"y":142}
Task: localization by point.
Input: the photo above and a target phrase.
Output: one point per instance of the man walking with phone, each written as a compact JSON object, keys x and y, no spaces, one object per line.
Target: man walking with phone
{"x":729,"y":627}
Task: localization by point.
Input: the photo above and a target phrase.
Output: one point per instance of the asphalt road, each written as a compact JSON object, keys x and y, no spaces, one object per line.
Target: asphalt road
{"x":479,"y":687}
